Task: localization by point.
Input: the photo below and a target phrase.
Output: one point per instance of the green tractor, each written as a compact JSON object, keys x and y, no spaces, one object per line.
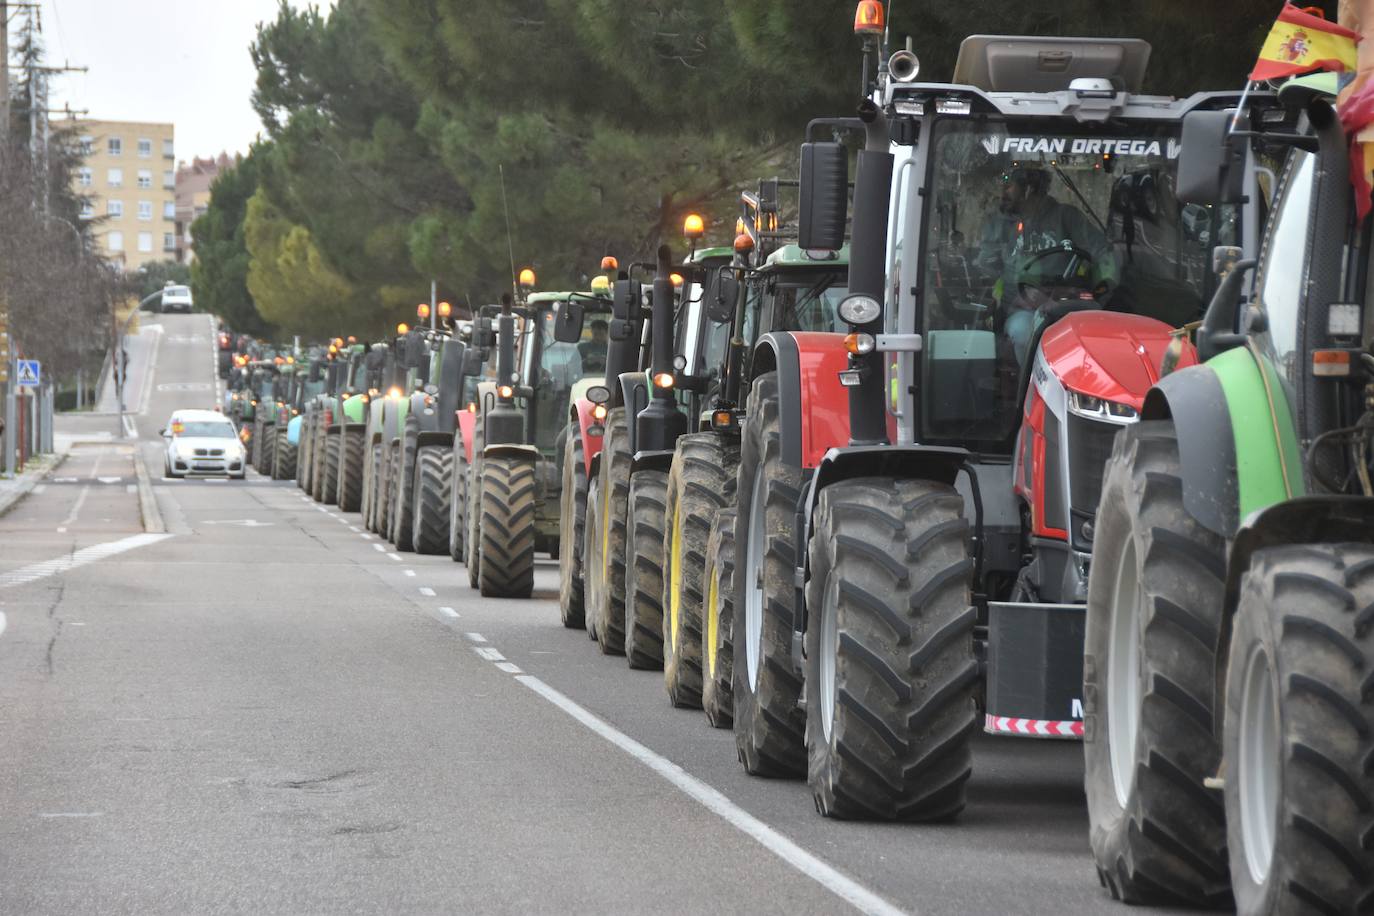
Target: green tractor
{"x":514,"y":480}
{"x":330,"y":371}
{"x":336,"y":475}
{"x":1229,"y":640}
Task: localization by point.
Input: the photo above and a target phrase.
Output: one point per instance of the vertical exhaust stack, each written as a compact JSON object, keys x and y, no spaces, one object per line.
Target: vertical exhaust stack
{"x":658,"y":426}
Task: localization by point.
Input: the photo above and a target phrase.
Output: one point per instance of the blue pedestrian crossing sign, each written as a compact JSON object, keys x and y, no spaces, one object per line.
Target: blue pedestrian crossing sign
{"x":28,"y":373}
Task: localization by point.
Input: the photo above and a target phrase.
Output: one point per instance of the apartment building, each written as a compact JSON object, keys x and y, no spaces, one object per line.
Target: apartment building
{"x":193,"y":196}
{"x":128,"y":178}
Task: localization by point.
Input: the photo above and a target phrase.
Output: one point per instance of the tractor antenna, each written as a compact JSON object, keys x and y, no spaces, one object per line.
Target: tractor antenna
{"x":510,"y":242}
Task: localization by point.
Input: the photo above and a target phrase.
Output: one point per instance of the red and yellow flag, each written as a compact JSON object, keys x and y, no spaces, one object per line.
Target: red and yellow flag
{"x":1301,"y":42}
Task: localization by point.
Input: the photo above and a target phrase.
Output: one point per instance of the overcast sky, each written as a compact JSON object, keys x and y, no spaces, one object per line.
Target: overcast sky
{"x":183,"y":61}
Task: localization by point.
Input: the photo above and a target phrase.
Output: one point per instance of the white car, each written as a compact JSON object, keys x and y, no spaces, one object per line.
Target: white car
{"x":203,"y":443}
{"x":176,"y":299}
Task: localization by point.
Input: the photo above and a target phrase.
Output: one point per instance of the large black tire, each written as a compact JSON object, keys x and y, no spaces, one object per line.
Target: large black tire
{"x":429,"y":528}
{"x":284,"y":460}
{"x":1297,"y":727}
{"x":386,"y":493}
{"x":702,"y":482}
{"x":305,"y":455}
{"x":472,"y":539}
{"x":268,"y":462}
{"x":644,"y":570}
{"x":572,"y":525}
{"x":255,"y":452}
{"x":403,"y":511}
{"x":769,"y":722}
{"x":718,"y":616}
{"x":371,"y":470}
{"x":890,"y":669}
{"x":507,"y":493}
{"x":1157,"y":833}
{"x":458,"y":500}
{"x":329,"y":483}
{"x":354,"y":446}
{"x":591,"y":551}
{"x":607,"y":571}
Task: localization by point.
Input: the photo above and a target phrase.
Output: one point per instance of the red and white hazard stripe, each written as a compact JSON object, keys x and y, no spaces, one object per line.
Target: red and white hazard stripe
{"x":1032,"y":728}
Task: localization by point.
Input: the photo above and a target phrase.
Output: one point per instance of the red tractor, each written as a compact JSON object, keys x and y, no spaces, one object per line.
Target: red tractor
{"x":917,"y":496}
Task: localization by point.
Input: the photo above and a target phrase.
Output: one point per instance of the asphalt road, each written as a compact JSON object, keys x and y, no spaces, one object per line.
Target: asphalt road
{"x":266,"y":710}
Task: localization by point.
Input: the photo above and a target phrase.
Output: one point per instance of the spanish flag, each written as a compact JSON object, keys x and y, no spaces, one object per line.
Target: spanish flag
{"x":1301,"y":42}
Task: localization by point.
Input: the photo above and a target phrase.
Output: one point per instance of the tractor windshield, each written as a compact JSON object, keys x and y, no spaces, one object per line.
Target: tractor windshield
{"x":1025,"y":224}
{"x":562,"y":365}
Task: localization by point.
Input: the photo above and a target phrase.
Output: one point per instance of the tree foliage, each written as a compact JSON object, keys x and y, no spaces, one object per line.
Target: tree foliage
{"x":219,"y":274}
{"x":419,"y":139}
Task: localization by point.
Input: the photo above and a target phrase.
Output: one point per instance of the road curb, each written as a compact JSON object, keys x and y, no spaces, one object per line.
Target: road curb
{"x":147,"y":503}
{"x":11,"y":499}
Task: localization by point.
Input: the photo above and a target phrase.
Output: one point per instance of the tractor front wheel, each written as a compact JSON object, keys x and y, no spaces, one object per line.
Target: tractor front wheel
{"x":718,"y":616}
{"x":507,"y":503}
{"x":429,"y":522}
{"x":611,"y":509}
{"x":644,"y":570}
{"x":572,"y":524}
{"x":329,"y":483}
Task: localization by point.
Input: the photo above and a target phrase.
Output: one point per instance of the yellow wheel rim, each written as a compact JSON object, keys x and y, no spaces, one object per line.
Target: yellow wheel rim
{"x":606,"y":535}
{"x":675,"y":571}
{"x":712,"y":623}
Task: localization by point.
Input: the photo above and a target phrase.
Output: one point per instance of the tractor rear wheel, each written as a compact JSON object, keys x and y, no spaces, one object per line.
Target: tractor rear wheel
{"x":268,"y":462}
{"x":717,"y":611}
{"x":1299,"y":783}
{"x":458,"y":500}
{"x":386,"y":495}
{"x":612,"y":513}
{"x":284,"y":461}
{"x":507,"y":567}
{"x":317,"y":463}
{"x":701,"y":483}
{"x":644,"y":570}
{"x":329,"y":484}
{"x":369,"y":505}
{"x":429,"y":529}
{"x":353,"y":446}
{"x":572,"y":525}
{"x":1155,"y":599}
{"x":403,"y":511}
{"x":890,"y":669}
{"x":591,"y":554}
{"x":769,"y":722}
{"x":472,"y":540}
{"x":303,"y":457}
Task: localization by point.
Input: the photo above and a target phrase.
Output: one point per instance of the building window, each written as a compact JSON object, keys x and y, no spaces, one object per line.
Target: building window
{"x":169,"y":179}
{"x":114,"y":146}
{"x":202,"y":210}
{"x":145,"y":178}
{"x":169,"y":241}
{"x":168,"y":150}
{"x":83,"y":177}
{"x":114,"y":208}
{"x":145,"y":210}
{"x":87,"y":210}
{"x":145,"y":242}
{"x":145,"y":148}
{"x":169,"y":210}
{"x":87,"y":145}
{"x":115,"y":241}
{"x":115,"y":178}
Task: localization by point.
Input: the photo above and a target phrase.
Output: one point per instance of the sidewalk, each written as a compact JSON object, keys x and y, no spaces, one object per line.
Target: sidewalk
{"x":13,"y":489}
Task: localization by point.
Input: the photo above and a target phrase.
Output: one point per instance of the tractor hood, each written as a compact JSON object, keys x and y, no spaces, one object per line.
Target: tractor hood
{"x":1110,"y":355}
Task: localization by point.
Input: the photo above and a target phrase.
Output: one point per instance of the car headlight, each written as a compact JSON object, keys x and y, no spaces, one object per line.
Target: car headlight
{"x":185,"y":451}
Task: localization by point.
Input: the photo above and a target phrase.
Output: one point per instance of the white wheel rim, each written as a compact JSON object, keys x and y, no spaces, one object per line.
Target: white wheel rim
{"x":1123,"y":674}
{"x":753,"y":584}
{"x":829,"y":649}
{"x":1258,"y":750}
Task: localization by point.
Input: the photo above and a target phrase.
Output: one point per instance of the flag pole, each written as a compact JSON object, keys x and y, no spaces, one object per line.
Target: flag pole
{"x":1240,"y":107}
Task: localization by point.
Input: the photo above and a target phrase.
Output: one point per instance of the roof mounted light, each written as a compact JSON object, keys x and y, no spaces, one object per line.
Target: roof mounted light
{"x":870,"y":18}
{"x":527,"y":278}
{"x":601,"y":284}
{"x":610,"y":263}
{"x":744,"y":243}
{"x":693,"y":227}
{"x":677,"y":280}
{"x":445,"y":309}
{"x":402,"y":329}
{"x":422,"y":311}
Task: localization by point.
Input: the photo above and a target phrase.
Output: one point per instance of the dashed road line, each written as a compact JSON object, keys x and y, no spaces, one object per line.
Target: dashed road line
{"x":394,"y":556}
{"x":427,"y":591}
{"x":489,"y":653}
{"x":475,"y":637}
{"x":381,"y":547}
{"x":409,"y":572}
{"x":509,"y":667}
{"x":448,"y":612}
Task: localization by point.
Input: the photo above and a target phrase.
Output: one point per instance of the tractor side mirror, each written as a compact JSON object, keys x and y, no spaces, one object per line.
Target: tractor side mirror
{"x":824,"y":196}
{"x":627,"y":298}
{"x":1211,"y":162}
{"x":473,"y":358}
{"x":720,"y":306}
{"x":568,"y":320}
{"x":483,"y":336}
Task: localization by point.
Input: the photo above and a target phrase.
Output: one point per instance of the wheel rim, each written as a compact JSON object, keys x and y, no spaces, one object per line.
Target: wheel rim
{"x":712,"y":623}
{"x":1258,"y":759}
{"x":829,"y":648}
{"x":1123,"y":674}
{"x":753,"y":583}
{"x":672,"y":570}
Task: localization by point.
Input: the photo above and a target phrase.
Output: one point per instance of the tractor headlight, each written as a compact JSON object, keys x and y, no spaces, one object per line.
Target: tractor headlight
{"x":1094,"y":408}
{"x":860,"y":309}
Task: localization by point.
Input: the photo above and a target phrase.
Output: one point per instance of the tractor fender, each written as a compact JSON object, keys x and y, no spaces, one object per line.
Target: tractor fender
{"x":658,"y":460}
{"x":467,"y":427}
{"x":813,"y":405}
{"x":421,"y":407}
{"x":510,"y":450}
{"x":589,"y":429}
{"x":430,"y":437}
{"x":1236,"y":439}
{"x":1327,"y":519}
{"x":355,"y":408}
{"x":293,"y":431}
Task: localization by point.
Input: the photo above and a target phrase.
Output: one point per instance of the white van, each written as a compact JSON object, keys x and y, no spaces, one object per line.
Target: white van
{"x":176,"y":299}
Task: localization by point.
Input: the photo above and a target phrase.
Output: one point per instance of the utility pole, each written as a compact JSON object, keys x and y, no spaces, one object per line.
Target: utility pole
{"x":4,"y":70}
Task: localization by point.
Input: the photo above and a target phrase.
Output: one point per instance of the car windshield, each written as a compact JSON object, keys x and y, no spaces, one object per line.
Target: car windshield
{"x":181,"y":291}
{"x":202,"y":429}
{"x":1024,"y":224}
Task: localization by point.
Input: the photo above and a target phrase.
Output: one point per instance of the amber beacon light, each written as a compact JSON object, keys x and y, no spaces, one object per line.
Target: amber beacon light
{"x":869,"y":18}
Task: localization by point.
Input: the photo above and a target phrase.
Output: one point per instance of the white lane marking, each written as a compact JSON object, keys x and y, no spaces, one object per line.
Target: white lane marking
{"x":475,"y":637}
{"x":131,"y":488}
{"x":509,"y":667}
{"x":81,"y":557}
{"x":109,"y":479}
{"x":427,"y":591}
{"x":824,"y":874}
{"x":74,"y":814}
{"x":448,"y":612}
{"x":129,"y":431}
{"x":2,"y":623}
{"x":381,"y":547}
{"x":394,"y":556}
{"x":40,"y":489}
{"x":354,"y":528}
{"x":409,"y":572}
{"x":76,"y":506}
{"x":61,"y":530}
{"x":488,"y":653}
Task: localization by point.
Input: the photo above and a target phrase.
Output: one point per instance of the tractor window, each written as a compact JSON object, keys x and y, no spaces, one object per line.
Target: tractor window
{"x":561,"y":366}
{"x":1281,"y":285}
{"x":809,"y":300}
{"x":1023,"y":225}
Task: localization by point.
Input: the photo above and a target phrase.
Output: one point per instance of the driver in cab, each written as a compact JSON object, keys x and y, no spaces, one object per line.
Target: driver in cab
{"x":1047,"y":247}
